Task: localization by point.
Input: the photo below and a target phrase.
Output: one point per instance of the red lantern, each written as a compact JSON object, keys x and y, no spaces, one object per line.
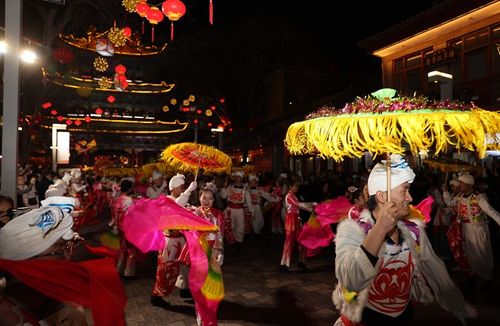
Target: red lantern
{"x":53,"y":112}
{"x":88,"y":119}
{"x":142,"y":9}
{"x":97,"y":111}
{"x":174,"y":10}
{"x":154,"y":16}
{"x":60,"y":118}
{"x":120,"y":70}
{"x":46,"y":105}
{"x":63,"y":55}
{"x":222,"y":100}
{"x":111,"y":99}
{"x":127,"y":31}
{"x":78,"y":122}
{"x":195,"y":121}
{"x":69,"y":122}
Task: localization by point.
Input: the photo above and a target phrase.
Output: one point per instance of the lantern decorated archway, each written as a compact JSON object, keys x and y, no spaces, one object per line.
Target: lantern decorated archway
{"x":174,"y":10}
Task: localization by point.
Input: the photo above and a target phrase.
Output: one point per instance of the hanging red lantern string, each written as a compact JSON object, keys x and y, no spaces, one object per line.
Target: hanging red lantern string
{"x":154,"y":16}
{"x":211,"y":12}
{"x":174,"y":10}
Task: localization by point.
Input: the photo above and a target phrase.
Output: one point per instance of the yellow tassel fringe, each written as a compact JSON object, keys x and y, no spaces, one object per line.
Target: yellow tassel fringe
{"x":351,"y":135}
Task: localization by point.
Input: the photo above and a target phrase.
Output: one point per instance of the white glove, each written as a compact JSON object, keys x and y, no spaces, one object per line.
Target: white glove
{"x":192,"y":186}
{"x":220,"y":259}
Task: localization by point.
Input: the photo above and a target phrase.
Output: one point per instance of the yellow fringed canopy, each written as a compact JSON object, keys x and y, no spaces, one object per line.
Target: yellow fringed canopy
{"x":190,"y":157}
{"x":394,"y":128}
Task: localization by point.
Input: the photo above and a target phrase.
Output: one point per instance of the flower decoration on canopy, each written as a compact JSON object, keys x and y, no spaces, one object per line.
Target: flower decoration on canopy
{"x":105,"y":82}
{"x":101,"y":64}
{"x":130,"y":5}
{"x":384,"y":102}
{"x":117,"y":37}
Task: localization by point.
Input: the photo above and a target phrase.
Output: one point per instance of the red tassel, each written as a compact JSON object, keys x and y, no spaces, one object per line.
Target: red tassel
{"x":152,"y":33}
{"x":211,"y":12}
{"x":142,"y":28}
{"x":172,"y":31}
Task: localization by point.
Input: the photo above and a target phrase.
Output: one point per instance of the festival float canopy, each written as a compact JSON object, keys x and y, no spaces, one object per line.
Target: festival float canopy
{"x":190,"y":157}
{"x":382,"y":123}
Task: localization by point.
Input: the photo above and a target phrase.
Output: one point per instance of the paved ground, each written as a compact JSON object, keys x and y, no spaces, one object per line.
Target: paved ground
{"x":257,"y":294}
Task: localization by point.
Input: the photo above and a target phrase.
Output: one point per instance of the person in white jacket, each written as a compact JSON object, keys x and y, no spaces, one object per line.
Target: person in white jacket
{"x":384,"y":259}
{"x":473,"y":238}
{"x":256,"y":193}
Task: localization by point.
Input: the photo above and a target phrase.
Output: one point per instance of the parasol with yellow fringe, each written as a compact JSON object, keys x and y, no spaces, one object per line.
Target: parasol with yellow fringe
{"x":190,"y":157}
{"x":381,"y":123}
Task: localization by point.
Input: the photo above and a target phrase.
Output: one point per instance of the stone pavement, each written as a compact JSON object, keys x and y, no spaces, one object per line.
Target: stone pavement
{"x":258,"y":294}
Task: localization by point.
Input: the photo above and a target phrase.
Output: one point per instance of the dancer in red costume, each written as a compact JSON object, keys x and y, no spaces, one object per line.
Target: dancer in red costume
{"x":293,"y":227}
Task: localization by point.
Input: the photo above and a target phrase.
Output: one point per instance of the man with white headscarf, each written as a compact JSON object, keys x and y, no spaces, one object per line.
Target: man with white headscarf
{"x":384,"y":259}
{"x":158,"y":186}
{"x":169,"y":271}
{"x":469,"y":235}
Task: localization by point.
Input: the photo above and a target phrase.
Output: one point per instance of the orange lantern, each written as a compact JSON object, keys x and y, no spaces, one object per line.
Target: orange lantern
{"x":154,"y":15}
{"x":174,"y":10}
